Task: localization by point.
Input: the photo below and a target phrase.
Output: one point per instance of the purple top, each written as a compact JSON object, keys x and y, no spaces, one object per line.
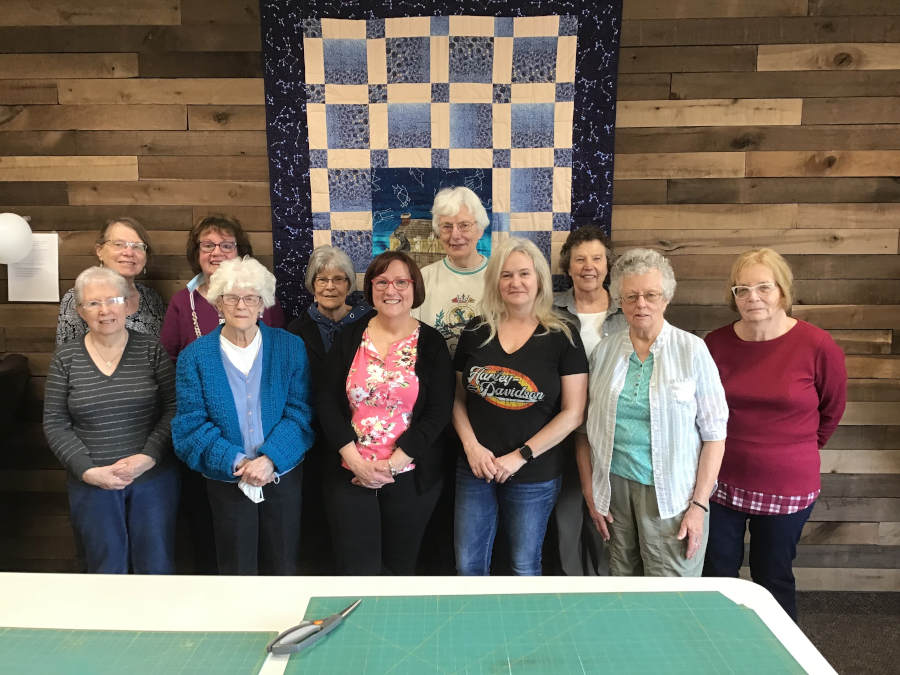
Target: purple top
{"x":178,"y":327}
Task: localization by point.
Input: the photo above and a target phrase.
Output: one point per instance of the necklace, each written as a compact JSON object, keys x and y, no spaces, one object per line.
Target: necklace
{"x":117,"y":354}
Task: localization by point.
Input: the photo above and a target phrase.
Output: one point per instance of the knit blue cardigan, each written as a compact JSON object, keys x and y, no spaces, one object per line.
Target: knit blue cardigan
{"x":205,"y":430}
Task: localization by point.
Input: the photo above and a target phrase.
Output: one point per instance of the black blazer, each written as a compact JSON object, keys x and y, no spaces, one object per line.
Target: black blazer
{"x":423,"y":440}
{"x":306,"y":328}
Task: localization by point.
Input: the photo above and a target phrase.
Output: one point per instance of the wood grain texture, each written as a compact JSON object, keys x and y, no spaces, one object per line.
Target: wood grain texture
{"x":170,"y":193}
{"x":208,"y":143}
{"x":130,"y":38}
{"x":237,"y":118}
{"x":216,"y":91}
{"x":639,"y":191}
{"x":758,"y":31}
{"x":783,"y":190}
{"x":200,"y":64}
{"x":852,"y":110}
{"x":686,"y":59}
{"x":693,"y":317}
{"x":861,"y":7}
{"x":68,"y":168}
{"x":643,"y":86}
{"x":846,"y":56}
{"x":68,"y":65}
{"x":685,"y":9}
{"x":27,"y":91}
{"x":680,"y":165}
{"x":53,"y":117}
{"x":803,"y":84}
{"x":834,"y":163}
{"x":91,"y":218}
{"x":37,"y":143}
{"x":89,"y":12}
{"x":214,"y":11}
{"x":708,"y":112}
{"x":887,"y":367}
{"x":860,"y":461}
{"x":205,"y":168}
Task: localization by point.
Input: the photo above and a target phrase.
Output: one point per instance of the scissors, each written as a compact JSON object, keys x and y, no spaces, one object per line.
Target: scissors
{"x":307,"y":633}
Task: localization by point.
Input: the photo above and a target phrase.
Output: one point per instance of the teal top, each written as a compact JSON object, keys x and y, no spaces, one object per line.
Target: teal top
{"x":631,"y":457}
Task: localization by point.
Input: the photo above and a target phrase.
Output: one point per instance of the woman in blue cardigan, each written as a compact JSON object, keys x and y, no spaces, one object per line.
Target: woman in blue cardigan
{"x":243,"y":421}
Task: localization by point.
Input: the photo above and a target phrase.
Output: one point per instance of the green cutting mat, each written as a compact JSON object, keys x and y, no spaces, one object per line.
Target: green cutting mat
{"x":580,"y":633}
{"x":97,"y":652}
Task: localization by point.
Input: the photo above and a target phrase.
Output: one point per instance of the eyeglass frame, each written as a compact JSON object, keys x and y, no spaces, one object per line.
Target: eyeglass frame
{"x":122,"y":244}
{"x":632,"y":298}
{"x":238,"y":298}
{"x":464,"y":227}
{"x":334,"y":281}
{"x":233,"y":246}
{"x":382,"y":284}
{"x":757,"y":288}
{"x":107,"y":302}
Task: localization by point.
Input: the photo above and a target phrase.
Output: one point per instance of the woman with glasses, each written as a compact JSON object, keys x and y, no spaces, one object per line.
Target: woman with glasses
{"x":656,"y":426}
{"x":385,"y":402}
{"x":454,"y":284}
{"x":330,"y":278}
{"x":785,"y":382}
{"x":212,"y":241}
{"x":244,"y":422}
{"x":521,"y":390}
{"x":108,"y":404}
{"x":123,"y":245}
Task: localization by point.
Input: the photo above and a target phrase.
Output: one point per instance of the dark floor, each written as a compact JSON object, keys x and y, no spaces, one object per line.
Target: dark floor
{"x":859,"y":633}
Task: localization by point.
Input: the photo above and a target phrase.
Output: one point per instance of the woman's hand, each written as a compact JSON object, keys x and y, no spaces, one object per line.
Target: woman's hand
{"x":601,"y":522}
{"x":257,"y":472}
{"x":507,"y":465}
{"x":129,"y":468}
{"x":692,"y":528}
{"x":371,"y":474}
{"x":481,"y":461}
{"x":104,"y":477}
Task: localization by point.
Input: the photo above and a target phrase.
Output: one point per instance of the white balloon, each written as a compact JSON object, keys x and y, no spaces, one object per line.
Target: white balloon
{"x":15,"y":238}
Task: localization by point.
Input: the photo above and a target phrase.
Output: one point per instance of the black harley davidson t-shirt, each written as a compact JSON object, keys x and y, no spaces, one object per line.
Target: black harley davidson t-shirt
{"x":510,"y":397}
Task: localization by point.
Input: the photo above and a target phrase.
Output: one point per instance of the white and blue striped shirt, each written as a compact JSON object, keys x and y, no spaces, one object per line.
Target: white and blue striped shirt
{"x":687,"y":407}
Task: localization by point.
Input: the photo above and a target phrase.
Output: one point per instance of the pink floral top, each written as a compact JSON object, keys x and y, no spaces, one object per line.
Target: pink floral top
{"x":382,"y":393}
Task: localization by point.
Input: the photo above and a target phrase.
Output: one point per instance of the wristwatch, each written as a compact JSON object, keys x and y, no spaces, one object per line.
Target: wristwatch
{"x":526,"y":453}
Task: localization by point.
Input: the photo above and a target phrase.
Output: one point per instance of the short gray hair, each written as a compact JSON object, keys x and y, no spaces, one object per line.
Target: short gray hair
{"x":641,"y":261}
{"x":243,"y":272}
{"x":449,"y":201}
{"x":324,"y":257}
{"x":100,"y":275}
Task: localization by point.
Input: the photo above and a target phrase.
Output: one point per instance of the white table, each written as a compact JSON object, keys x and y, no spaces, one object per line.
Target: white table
{"x":210,"y":603}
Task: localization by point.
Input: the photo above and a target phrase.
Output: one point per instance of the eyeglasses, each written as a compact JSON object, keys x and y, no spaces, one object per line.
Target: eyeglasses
{"x":337,"y":281}
{"x":464,"y":227}
{"x":650,"y":297}
{"x":763,"y":290}
{"x":121,"y":245}
{"x":224,"y":246}
{"x":94,"y":305}
{"x":399,"y":284}
{"x":250,"y":301}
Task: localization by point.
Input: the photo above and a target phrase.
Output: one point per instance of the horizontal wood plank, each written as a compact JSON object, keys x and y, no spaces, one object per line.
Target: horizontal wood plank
{"x":130,"y":38}
{"x":170,"y":193}
{"x":68,"y":168}
{"x":63,"y":66}
{"x":846,"y":56}
{"x":214,"y":12}
{"x":639,"y":192}
{"x":49,"y":218}
{"x":28,"y":91}
{"x":800,"y":84}
{"x":881,"y":367}
{"x":844,"y":7}
{"x":204,"y":168}
{"x":51,"y":117}
{"x":203,"y":91}
{"x":709,"y":112}
{"x":208,"y":143}
{"x":88,"y":12}
{"x":649,"y":86}
{"x":37,"y":143}
{"x":33,"y":193}
{"x":861,"y":461}
{"x":856,"y":508}
{"x":848,"y":215}
{"x":889,"y":534}
{"x":810,"y":292}
{"x":252,"y":218}
{"x":200,"y":64}
{"x":235,"y":118}
{"x":870,"y":389}
{"x":757,"y":31}
{"x":839,"y":533}
{"x":686,"y":59}
{"x":852,"y":110}
{"x":843,"y":579}
{"x":782,"y":190}
{"x":832,"y":163}
{"x":680,"y":165}
{"x":686,"y":9}
{"x":165,"y":242}
{"x":808,"y":266}
{"x":851,"y":485}
{"x":737,"y":241}
{"x":844,"y":555}
{"x":694,"y":317}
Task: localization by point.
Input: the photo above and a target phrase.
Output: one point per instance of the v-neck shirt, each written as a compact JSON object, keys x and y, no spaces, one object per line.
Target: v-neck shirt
{"x":512,"y":396}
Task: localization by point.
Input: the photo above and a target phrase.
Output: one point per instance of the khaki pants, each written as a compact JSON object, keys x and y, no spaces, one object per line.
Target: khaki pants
{"x":643,"y":544}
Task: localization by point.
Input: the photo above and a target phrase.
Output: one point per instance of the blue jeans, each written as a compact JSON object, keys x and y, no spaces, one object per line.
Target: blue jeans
{"x":129,"y":530}
{"x":523,"y":509}
{"x":773,"y":547}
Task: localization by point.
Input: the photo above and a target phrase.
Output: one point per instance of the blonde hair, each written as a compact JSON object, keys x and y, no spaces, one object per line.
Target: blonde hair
{"x":243,"y":272}
{"x":493,"y":309}
{"x":781,"y":273}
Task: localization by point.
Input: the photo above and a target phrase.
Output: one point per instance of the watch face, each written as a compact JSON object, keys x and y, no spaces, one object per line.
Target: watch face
{"x":526,"y":453}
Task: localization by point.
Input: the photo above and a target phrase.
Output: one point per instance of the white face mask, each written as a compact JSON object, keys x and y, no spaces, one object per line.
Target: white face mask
{"x":253,"y":492}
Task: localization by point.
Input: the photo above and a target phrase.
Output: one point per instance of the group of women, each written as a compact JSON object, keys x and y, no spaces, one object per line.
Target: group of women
{"x":587,"y":409}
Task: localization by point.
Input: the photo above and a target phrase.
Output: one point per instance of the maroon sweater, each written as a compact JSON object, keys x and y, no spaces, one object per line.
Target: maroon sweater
{"x":785,"y":399}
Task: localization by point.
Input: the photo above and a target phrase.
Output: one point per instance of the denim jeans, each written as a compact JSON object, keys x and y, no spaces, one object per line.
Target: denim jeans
{"x":127,"y":530}
{"x":523,"y":509}
{"x":773,"y":547}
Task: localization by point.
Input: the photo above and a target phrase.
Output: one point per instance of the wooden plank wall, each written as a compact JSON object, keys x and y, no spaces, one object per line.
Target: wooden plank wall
{"x":740,"y":123}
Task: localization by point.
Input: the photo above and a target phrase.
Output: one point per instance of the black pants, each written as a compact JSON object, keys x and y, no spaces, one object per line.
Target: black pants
{"x":773,"y":547}
{"x":259,"y":538}
{"x":377,"y":531}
